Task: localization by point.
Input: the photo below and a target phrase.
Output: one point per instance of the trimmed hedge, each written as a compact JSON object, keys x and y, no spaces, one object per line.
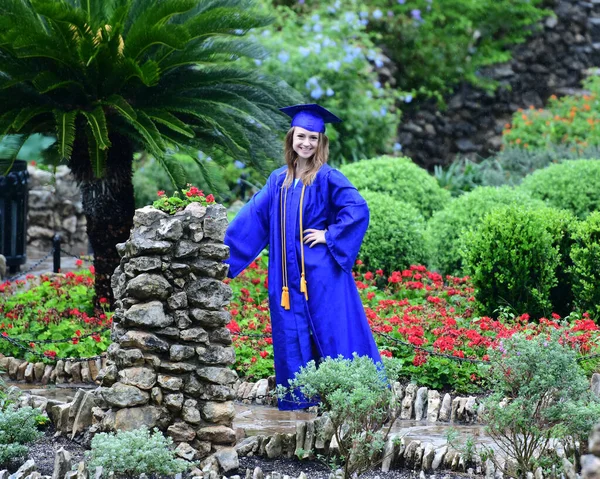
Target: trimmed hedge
{"x":399,"y":178}
{"x":513,"y":258}
{"x":445,"y":227}
{"x":394,"y":239}
{"x":573,"y":185}
{"x":585,"y":254}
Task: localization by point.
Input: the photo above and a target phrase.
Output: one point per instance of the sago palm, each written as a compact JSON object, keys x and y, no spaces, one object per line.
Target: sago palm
{"x":111,"y":77}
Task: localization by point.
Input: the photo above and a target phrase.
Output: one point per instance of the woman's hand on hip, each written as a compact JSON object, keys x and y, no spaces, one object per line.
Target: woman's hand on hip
{"x":314,"y":237}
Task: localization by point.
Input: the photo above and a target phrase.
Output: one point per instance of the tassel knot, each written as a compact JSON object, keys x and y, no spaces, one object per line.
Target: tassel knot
{"x":285,"y":298}
{"x":303,"y":288}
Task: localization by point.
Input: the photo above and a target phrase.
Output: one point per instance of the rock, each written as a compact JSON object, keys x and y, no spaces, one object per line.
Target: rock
{"x":173,"y":402}
{"x":217,"y":412}
{"x":177,"y":301}
{"x":83,"y":415}
{"x":595,"y":384}
{"x":210,"y":319}
{"x":48,"y":369}
{"x":247,"y":445}
{"x":438,"y":458}
{"x":274,"y":446}
{"x":142,"y":378}
{"x":190,"y":412}
{"x":129,"y":419}
{"x":208,"y":294}
{"x":198,"y":335}
{"x":590,"y":467}
{"x":216,"y":355}
{"x":216,"y":434}
{"x":185,"y":451}
{"x":144,"y":341}
{"x":149,"y":315}
{"x":122,"y":395}
{"x":171,"y":383}
{"x":28,"y":375}
{"x":149,"y":286}
{"x":407,"y":402}
{"x":421,"y":404}
{"x":62,"y":463}
{"x":228,"y":459}
{"x":186,"y":249}
{"x":389,"y":454}
{"x":262,"y":388}
{"x":433,"y":405}
{"x":594,"y":440}
{"x":178,"y":352}
{"x":181,"y":432}
{"x":568,"y":469}
{"x":446,"y":408}
{"x":21,"y":370}
{"x":2,"y":267}
{"x":428,"y":457}
{"x":143,"y":264}
{"x":300,"y":438}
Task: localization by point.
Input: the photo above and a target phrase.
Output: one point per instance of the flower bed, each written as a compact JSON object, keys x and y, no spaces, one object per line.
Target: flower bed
{"x":417,"y":316}
{"x":408,"y":310}
{"x":52,"y":317}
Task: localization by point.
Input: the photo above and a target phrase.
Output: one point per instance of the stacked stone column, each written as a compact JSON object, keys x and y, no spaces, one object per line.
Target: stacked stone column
{"x":168,"y":364}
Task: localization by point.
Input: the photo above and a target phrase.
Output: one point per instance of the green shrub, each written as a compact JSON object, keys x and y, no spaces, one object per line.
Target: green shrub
{"x":399,"y":178}
{"x":585,"y":254}
{"x":326,"y":55}
{"x":445,"y":227}
{"x":357,"y":398}
{"x":512,"y":259}
{"x":131,"y":453}
{"x":561,"y":225}
{"x":571,"y":185}
{"x":394,"y":239}
{"x":548,"y":398}
{"x":18,"y":427}
{"x":570,"y":120}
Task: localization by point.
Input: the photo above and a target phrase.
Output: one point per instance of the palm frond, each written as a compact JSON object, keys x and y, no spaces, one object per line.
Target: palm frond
{"x":170,"y":121}
{"x":65,"y":132}
{"x":27,"y":114}
{"x":97,"y":154}
{"x":96,"y":121}
{"x":175,"y":171}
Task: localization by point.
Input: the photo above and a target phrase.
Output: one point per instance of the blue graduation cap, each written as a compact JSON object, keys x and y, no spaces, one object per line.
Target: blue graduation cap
{"x":311,"y":117}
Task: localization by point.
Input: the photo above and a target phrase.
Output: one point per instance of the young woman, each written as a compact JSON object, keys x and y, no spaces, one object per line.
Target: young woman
{"x":314,"y":221}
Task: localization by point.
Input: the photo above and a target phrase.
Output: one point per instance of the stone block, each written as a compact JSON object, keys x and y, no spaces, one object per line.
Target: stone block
{"x":147,"y":315}
{"x":121,"y":395}
{"x":149,"y":287}
{"x":208,"y":294}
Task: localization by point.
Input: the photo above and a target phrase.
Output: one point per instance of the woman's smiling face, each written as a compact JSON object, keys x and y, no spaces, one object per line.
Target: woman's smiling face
{"x":305,"y":142}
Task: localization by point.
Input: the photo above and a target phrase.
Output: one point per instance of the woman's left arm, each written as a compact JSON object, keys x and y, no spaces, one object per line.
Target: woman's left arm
{"x":344,"y":236}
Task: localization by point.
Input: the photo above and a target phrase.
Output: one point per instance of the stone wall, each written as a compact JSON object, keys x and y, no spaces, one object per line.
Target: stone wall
{"x":168,"y":363}
{"x":552,"y":61}
{"x":55,"y":207}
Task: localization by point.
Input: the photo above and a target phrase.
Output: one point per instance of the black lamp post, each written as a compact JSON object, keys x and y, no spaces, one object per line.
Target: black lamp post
{"x":14,"y":195}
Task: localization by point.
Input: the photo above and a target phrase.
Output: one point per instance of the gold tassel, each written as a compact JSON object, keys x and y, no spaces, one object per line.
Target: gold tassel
{"x":285,"y":298}
{"x":303,"y":288}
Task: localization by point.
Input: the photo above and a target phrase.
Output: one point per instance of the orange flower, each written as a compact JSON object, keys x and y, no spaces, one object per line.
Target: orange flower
{"x":524,"y":117}
{"x":507,"y":126}
{"x":531,"y":107}
{"x":553,"y":97}
{"x":586,"y":107}
{"x":518,"y":141}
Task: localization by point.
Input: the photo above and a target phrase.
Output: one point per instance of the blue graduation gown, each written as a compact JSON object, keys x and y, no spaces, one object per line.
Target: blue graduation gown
{"x":332,"y":322}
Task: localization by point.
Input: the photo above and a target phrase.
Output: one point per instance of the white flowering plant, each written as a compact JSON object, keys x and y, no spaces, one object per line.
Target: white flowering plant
{"x":131,"y":453}
{"x":328,"y":56}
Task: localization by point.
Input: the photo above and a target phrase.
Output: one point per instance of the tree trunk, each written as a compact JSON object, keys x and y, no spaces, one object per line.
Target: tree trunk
{"x":109,"y":206}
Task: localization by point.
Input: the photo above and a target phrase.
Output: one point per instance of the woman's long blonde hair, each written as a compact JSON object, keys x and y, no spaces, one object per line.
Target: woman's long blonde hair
{"x":314,"y":163}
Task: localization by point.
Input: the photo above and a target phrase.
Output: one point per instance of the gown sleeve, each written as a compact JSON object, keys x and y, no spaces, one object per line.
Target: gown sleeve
{"x":248,"y":233}
{"x":345,"y":234}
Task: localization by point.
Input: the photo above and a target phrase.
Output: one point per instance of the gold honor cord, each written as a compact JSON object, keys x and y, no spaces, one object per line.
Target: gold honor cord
{"x":303,"y":288}
{"x":285,"y":292}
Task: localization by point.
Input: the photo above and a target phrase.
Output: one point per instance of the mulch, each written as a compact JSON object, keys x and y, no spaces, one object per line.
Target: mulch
{"x":44,"y":450}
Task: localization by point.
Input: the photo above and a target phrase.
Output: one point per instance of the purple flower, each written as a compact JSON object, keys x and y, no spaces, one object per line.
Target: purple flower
{"x":401,"y":2}
{"x":416,"y":14}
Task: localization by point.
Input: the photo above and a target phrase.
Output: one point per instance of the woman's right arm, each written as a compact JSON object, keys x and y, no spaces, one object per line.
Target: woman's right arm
{"x":248,"y":233}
